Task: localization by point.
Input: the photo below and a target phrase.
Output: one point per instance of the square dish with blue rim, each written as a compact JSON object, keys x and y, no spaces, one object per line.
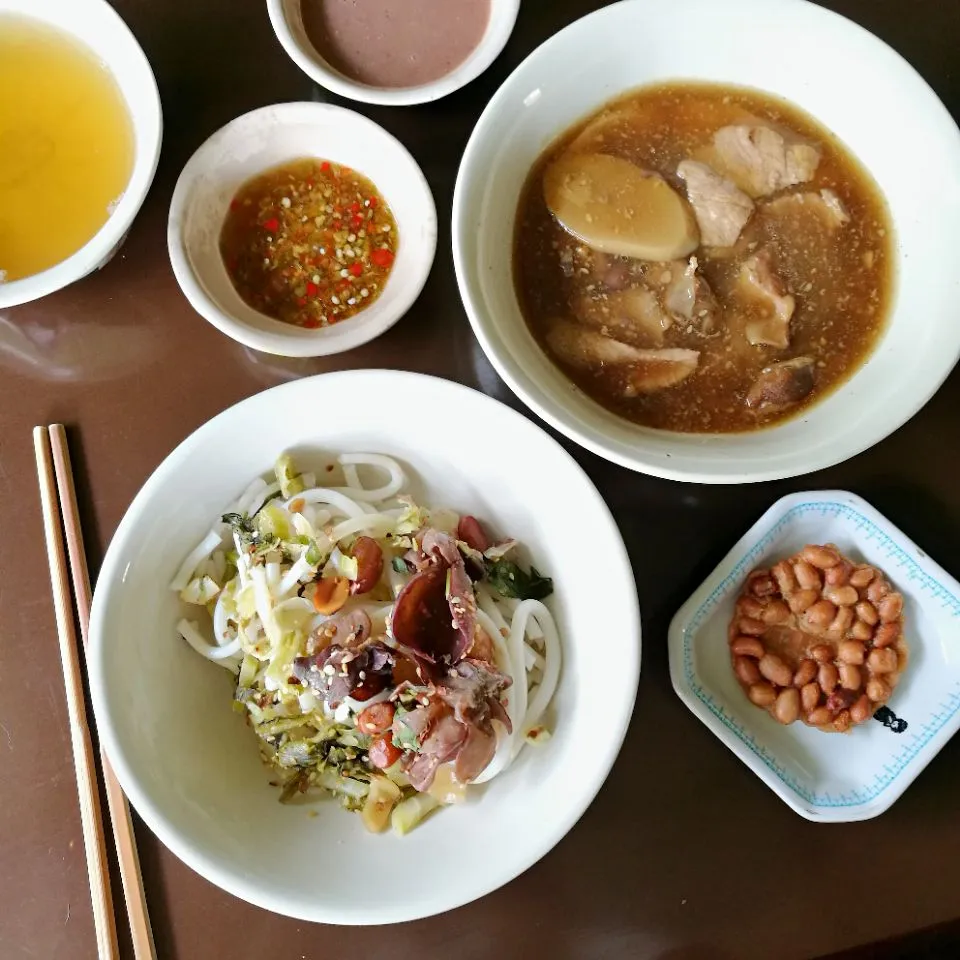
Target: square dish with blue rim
{"x":828,"y":777}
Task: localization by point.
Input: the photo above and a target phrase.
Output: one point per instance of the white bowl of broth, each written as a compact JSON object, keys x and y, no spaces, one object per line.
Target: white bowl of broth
{"x":393,"y":52}
{"x":69,"y":190}
{"x":818,"y":328}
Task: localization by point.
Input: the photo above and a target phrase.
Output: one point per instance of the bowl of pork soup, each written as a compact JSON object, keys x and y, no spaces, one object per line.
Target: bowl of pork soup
{"x":714,"y":261}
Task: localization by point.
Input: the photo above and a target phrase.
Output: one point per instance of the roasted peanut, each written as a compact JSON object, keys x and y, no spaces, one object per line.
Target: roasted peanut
{"x":828,"y":677}
{"x":891,"y":606}
{"x":806,"y":671}
{"x":810,"y":696}
{"x":861,"y":631}
{"x":842,"y":621}
{"x":787,"y":706}
{"x":842,"y":721}
{"x":861,"y":576}
{"x":842,"y":596}
{"x":775,"y":670}
{"x":851,"y":651}
{"x":776,"y":611}
{"x":750,"y":607}
{"x":822,"y":557}
{"x":821,"y":653}
{"x":881,"y":661}
{"x":886,"y":634}
{"x":839,"y":575}
{"x":802,"y":599}
{"x":751,"y":627}
{"x":850,"y":677}
{"x":877,"y":690}
{"x":762,"y":694}
{"x":867,"y":612}
{"x":761,"y":584}
{"x":820,"y":614}
{"x":746,"y":670}
{"x":877,"y":590}
{"x":807,"y":576}
{"x":819,"y":716}
{"x":861,"y":710}
{"x":783,"y":574}
{"x":749,"y":647}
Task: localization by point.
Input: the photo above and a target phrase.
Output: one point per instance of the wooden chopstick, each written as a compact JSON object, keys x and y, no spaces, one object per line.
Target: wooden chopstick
{"x":83,"y":758}
{"x":123,"y":835}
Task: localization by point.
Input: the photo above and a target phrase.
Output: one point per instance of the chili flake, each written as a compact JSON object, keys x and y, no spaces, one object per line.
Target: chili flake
{"x":310,"y":242}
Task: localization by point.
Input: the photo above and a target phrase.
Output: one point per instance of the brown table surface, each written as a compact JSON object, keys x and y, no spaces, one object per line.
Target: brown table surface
{"x":685,"y":853}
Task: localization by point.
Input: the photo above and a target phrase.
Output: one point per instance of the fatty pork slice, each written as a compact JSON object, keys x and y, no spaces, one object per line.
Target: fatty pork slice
{"x":825,"y":210}
{"x":615,"y":207}
{"x":633,"y":316}
{"x":760,"y":160}
{"x":639,"y":371}
{"x":721,"y":208}
{"x":759,"y":281}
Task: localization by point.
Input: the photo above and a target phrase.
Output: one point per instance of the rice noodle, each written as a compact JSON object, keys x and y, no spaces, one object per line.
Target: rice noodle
{"x":194,"y":558}
{"x":191,"y":633}
{"x":388,"y":490}
{"x":334,"y":498}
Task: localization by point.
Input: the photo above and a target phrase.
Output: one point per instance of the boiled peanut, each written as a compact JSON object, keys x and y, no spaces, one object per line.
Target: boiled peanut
{"x":807,"y":576}
{"x":851,"y":651}
{"x":877,"y":690}
{"x":810,"y":696}
{"x":820,"y":614}
{"x":822,"y":557}
{"x":751,"y":627}
{"x":761,"y":584}
{"x":886,"y":634}
{"x":802,"y":599}
{"x":841,"y":596}
{"x":821,"y":653}
{"x":862,"y":576}
{"x":828,"y":677}
{"x":882,"y":661}
{"x":861,"y":631}
{"x":891,"y":606}
{"x":762,"y":694}
{"x":775,"y":670}
{"x":819,"y":716}
{"x":839,"y":575}
{"x":806,"y":671}
{"x":861,"y":710}
{"x":776,"y":611}
{"x":842,"y":621}
{"x":749,"y":647}
{"x":746,"y":670}
{"x":787,"y":706}
{"x":850,"y":677}
{"x":867,"y":612}
{"x":842,"y":721}
{"x":783,"y":574}
{"x":877,"y":590}
{"x":750,"y":607}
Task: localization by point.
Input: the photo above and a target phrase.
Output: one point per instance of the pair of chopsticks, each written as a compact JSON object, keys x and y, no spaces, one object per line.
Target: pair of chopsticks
{"x":61,"y":521}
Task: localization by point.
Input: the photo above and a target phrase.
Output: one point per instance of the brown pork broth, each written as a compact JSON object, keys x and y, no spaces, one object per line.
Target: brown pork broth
{"x":840,"y":276}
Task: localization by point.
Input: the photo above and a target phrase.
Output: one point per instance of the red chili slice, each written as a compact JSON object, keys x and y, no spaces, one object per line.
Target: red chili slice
{"x":356,"y":269}
{"x":382,"y":258}
{"x":273,"y":224}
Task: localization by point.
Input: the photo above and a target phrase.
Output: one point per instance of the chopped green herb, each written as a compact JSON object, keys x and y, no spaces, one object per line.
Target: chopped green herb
{"x":400,"y":565}
{"x":509,"y":580}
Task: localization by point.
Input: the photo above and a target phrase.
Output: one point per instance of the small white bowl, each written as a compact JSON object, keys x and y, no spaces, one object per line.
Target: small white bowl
{"x":827,"y":777}
{"x":96,"y":24}
{"x":845,"y":77}
{"x":190,"y":765}
{"x":287,"y":23}
{"x":265,"y":138}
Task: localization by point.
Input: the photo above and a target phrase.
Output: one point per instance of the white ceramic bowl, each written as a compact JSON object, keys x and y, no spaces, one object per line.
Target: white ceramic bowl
{"x":287,"y":21}
{"x":94,"y":23}
{"x":265,"y":138}
{"x":827,"y":777}
{"x":848,"y":79}
{"x":190,"y":765}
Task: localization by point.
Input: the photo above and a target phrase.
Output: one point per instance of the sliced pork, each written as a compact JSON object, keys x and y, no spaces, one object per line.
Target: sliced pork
{"x":758,"y":279}
{"x":633,"y":316}
{"x":760,"y":160}
{"x":825,"y":208}
{"x":721,"y":208}
{"x":781,"y":385}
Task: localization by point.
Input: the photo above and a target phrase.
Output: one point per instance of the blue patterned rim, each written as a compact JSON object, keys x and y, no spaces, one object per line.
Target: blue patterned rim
{"x":895,"y":556}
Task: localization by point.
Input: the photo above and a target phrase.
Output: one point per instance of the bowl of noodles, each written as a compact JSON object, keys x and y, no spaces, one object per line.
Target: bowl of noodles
{"x":345,"y":643}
